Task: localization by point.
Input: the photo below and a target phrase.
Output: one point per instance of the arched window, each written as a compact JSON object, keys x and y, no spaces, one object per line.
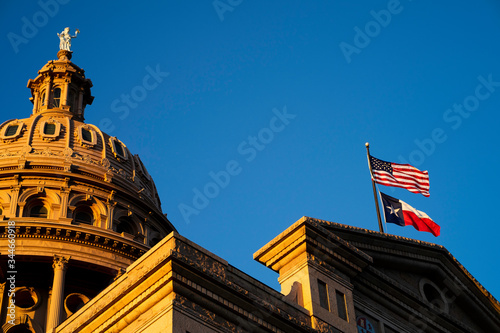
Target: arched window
{"x":84,"y":214}
{"x":125,"y":224}
{"x":42,"y":99}
{"x":57,"y":98}
{"x":39,"y":210}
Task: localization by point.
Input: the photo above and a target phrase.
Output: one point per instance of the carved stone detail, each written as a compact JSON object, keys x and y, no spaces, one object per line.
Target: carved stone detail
{"x":60,"y":263}
{"x":201,"y":260}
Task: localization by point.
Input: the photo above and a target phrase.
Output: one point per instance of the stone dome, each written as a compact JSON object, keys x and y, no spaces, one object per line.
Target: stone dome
{"x":76,"y":206}
{"x":64,"y":180}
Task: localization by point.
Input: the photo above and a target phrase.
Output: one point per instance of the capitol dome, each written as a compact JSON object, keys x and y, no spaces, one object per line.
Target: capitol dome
{"x":79,"y":200}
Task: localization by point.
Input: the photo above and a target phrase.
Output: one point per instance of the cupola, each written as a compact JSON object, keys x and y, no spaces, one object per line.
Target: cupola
{"x":61,"y":87}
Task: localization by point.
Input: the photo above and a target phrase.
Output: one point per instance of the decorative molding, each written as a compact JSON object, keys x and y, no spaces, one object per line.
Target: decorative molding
{"x":85,"y":143}
{"x":60,"y":262}
{"x":11,"y":138}
{"x":207,"y":317}
{"x":49,"y":137}
{"x":81,"y":237}
{"x":267,"y":309}
{"x":205,"y":265}
{"x":113,"y":141}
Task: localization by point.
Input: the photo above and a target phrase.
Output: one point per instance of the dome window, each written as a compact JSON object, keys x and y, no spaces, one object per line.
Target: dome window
{"x":87,"y":136}
{"x":39,"y":211}
{"x":12,"y":131}
{"x":50,"y":129}
{"x":84,"y":214}
{"x":118,"y":148}
{"x":126,"y":227}
{"x":42,"y":99}
{"x":57,"y":98}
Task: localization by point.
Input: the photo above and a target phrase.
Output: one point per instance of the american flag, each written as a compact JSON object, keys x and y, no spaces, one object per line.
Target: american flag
{"x":400,"y":175}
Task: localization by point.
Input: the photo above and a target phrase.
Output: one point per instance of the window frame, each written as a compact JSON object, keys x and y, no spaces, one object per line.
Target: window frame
{"x":57,"y":131}
{"x":84,"y":142}
{"x":87,"y":209}
{"x":3,"y":133}
{"x":113,"y":142}
{"x":54,"y":98}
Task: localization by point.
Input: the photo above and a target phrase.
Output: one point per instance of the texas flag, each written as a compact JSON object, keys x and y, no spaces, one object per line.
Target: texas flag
{"x":400,"y":213}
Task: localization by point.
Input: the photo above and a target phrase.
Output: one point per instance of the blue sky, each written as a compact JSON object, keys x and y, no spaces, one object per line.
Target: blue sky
{"x":277,"y":99}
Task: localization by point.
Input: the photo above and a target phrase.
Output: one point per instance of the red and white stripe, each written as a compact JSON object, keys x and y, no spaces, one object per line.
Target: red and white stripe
{"x":404,"y":176}
{"x":419,"y":220}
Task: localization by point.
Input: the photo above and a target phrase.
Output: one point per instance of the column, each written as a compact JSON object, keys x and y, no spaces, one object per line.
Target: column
{"x":56,"y":301}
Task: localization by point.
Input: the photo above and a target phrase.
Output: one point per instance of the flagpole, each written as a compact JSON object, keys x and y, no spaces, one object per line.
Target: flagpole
{"x":374,"y":189}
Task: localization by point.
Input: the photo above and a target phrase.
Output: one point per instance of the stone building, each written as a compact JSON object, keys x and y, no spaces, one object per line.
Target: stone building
{"x":95,"y":253}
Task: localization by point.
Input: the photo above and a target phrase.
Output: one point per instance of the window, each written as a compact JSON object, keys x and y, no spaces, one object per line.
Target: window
{"x":39,"y":211}
{"x":341,"y":305}
{"x":57,"y":98}
{"x":43,"y":98}
{"x":49,"y":128}
{"x":323,"y":295}
{"x":125,"y":225}
{"x":11,"y":130}
{"x":118,"y":148}
{"x":84,"y":215}
{"x":86,"y":135}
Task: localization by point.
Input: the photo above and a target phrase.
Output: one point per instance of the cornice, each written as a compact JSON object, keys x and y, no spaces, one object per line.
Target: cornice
{"x":74,"y":234}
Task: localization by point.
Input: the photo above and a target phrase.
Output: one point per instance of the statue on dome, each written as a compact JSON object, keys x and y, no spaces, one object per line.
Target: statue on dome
{"x":65,"y":39}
